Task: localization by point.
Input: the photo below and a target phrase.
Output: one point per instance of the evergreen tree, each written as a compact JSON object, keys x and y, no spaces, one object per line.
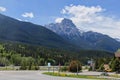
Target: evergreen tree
{"x":116,"y":65}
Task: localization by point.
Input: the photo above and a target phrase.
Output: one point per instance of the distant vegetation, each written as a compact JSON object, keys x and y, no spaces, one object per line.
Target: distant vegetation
{"x":30,"y":57}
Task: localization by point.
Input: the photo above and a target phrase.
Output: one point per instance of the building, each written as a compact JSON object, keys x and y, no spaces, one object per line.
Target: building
{"x":107,"y":68}
{"x":117,"y":61}
{"x":117,"y":54}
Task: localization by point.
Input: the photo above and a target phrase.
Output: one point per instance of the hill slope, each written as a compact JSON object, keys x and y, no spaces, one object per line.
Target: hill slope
{"x":48,"y":54}
{"x":25,"y":32}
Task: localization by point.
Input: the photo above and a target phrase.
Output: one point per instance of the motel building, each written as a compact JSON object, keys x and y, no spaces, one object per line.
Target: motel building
{"x":117,"y":54}
{"x":106,"y":66}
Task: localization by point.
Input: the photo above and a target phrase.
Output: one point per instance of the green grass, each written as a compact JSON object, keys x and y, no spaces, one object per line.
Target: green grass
{"x":115,"y":75}
{"x":5,"y":68}
{"x":73,"y":75}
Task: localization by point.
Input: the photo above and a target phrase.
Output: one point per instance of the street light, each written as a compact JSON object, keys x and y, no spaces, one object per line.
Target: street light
{"x":77,"y":68}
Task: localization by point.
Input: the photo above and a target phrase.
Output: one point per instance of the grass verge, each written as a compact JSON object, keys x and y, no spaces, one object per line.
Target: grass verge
{"x":115,"y":75}
{"x":74,"y":76}
{"x":4,"y":68}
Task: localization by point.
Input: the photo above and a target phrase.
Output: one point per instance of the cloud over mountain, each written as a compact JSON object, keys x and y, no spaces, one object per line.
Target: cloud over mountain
{"x":2,"y":9}
{"x":92,"y":18}
{"x":58,"y":20}
{"x":28,"y":14}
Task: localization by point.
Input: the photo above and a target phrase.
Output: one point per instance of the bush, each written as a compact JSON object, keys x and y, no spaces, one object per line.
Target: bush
{"x":101,"y":68}
{"x":23,"y":68}
{"x":36,"y":67}
{"x":65,"y":68}
{"x":104,"y":74}
{"x":74,"y":66}
{"x":90,"y":69}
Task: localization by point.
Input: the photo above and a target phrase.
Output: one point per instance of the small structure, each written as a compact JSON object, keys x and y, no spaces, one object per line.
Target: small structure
{"x":92,"y":64}
{"x":117,"y":54}
{"x":117,"y":63}
{"x":107,"y":68}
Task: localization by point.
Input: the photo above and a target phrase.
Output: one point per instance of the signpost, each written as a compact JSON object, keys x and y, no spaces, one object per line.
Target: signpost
{"x":49,"y":65}
{"x":92,"y":64}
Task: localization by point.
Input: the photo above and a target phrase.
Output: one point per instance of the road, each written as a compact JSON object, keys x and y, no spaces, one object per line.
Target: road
{"x":30,"y":75}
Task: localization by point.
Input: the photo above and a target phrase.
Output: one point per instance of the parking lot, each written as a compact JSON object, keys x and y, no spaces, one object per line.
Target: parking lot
{"x":30,"y":75}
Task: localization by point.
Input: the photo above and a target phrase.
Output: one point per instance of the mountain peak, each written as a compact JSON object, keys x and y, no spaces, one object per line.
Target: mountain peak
{"x":68,"y":23}
{"x":86,"y":40}
{"x":65,"y":20}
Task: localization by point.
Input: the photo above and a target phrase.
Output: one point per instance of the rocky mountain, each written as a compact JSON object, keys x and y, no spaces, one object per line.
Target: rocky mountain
{"x":117,"y":39}
{"x":68,"y":31}
{"x":85,"y":40}
{"x":59,"y":35}
{"x":25,"y":32}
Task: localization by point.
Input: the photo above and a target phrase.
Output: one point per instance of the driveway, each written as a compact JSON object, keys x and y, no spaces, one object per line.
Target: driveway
{"x":30,"y":75}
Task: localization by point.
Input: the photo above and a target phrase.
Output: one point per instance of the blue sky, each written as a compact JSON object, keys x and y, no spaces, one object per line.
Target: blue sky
{"x":47,"y":11}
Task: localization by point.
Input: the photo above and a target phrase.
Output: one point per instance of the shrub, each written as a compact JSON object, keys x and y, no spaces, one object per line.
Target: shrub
{"x":101,"y":68}
{"x":104,"y":74}
{"x":65,"y":68}
{"x":90,"y":69}
{"x":23,"y":67}
{"x":74,"y":66}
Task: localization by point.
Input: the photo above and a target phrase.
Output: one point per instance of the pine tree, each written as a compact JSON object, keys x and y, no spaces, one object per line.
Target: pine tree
{"x":116,"y":65}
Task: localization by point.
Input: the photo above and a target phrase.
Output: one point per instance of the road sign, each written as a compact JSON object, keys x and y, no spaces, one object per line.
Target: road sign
{"x":49,"y":64}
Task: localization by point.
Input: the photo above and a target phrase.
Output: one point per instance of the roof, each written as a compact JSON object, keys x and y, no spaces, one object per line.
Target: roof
{"x":118,"y":51}
{"x":117,"y":54}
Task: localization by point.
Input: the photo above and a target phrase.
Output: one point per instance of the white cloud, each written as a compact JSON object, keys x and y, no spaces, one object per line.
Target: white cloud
{"x":29,"y":15}
{"x":2,"y":9}
{"x":92,"y":18}
{"x":58,"y":20}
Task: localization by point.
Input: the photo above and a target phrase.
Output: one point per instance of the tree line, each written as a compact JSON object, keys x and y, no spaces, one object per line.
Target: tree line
{"x":32,"y":56}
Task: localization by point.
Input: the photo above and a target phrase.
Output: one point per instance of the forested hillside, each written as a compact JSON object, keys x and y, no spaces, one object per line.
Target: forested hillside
{"x":17,"y":54}
{"x":26,"y":32}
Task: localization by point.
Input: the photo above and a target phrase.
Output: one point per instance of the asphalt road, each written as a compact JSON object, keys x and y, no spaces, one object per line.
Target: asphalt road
{"x":30,"y":75}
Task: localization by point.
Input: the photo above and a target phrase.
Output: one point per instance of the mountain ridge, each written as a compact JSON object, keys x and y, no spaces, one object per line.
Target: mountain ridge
{"x":57,"y":35}
{"x":26,"y":32}
{"x":86,"y":40}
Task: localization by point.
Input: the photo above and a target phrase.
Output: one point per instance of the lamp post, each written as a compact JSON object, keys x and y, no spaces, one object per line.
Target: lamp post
{"x":92,"y":64}
{"x":59,"y":64}
{"x":77,"y":68}
{"x":53,"y":65}
{"x":77,"y":64}
{"x":59,"y":69}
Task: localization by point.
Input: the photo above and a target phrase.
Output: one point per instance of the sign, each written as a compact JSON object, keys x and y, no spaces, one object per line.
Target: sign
{"x":89,"y":62}
{"x":49,"y":64}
